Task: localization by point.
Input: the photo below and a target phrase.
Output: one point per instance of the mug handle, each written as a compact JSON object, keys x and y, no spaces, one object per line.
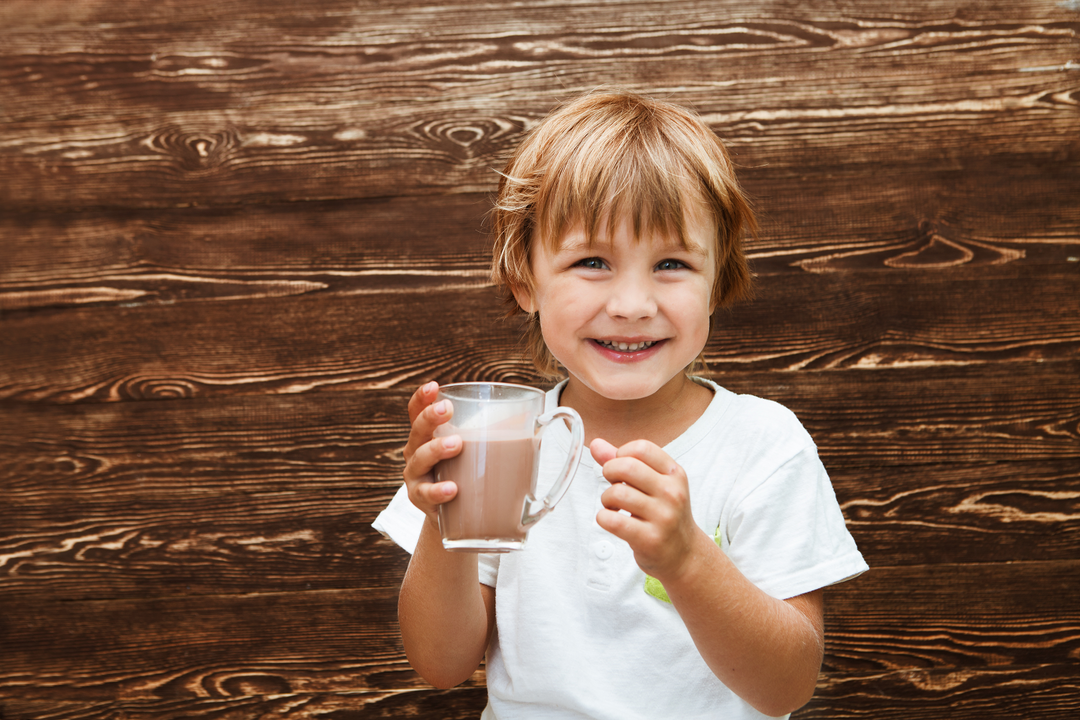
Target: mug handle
{"x":536,"y":509}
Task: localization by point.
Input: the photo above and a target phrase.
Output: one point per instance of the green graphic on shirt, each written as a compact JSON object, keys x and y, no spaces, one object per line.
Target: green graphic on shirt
{"x":656,"y":588}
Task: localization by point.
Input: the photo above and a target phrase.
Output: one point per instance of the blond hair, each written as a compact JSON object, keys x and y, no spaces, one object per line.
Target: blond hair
{"x":611,"y":155}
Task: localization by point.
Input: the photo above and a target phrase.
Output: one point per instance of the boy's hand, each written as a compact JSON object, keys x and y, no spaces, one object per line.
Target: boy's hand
{"x":653,"y":488}
{"x":423,"y":450}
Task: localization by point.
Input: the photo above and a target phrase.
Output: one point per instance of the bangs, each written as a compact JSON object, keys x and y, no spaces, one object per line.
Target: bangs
{"x":629,"y":171}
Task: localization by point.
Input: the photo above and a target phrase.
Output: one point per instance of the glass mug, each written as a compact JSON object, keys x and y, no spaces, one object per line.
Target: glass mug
{"x":500,"y":425}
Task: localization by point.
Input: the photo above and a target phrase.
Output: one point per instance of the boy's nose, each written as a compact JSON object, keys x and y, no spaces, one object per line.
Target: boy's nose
{"x":631,"y":300}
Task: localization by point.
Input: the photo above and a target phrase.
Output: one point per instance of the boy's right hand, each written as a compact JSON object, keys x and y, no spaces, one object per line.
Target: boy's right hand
{"x":424,"y":451}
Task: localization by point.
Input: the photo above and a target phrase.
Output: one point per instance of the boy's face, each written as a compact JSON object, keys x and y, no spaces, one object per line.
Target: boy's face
{"x":624,"y":317}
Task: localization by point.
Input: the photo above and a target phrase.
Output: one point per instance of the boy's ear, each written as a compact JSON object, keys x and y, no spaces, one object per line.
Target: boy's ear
{"x":524,"y":298}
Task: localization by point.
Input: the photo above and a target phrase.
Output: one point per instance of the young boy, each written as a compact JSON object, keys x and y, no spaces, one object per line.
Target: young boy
{"x":681,"y":576}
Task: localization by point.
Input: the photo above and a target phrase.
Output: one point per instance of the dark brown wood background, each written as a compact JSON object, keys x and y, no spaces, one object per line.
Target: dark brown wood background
{"x":235,"y":235}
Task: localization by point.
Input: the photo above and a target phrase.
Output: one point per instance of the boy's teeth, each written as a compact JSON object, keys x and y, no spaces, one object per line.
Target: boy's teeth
{"x":625,"y":347}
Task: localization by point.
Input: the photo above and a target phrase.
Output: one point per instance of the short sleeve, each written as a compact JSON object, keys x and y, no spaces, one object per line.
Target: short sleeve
{"x":788,"y":534}
{"x":489,"y":568}
{"x":402,"y":521}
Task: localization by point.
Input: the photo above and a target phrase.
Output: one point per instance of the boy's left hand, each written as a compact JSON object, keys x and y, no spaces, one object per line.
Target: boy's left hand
{"x":653,"y":488}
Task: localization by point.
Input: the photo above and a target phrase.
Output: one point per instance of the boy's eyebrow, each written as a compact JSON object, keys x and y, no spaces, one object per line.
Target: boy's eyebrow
{"x":577,"y":245}
{"x":693,"y":248}
{"x":582,"y":244}
{"x":689,"y":246}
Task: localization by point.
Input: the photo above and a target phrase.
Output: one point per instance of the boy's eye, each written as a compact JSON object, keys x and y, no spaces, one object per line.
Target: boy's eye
{"x":670,"y":265}
{"x":593,"y":263}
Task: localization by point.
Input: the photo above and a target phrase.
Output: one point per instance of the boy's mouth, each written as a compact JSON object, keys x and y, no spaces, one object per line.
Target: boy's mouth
{"x":626,"y":347}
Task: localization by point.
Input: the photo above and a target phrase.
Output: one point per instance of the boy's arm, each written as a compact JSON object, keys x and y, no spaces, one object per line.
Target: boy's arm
{"x":767,"y":651}
{"x":446,"y":615}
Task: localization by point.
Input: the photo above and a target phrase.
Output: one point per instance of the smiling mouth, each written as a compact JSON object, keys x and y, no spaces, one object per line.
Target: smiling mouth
{"x":626,"y":347}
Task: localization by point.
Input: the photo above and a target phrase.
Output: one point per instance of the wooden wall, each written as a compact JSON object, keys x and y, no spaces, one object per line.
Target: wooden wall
{"x":235,"y":235}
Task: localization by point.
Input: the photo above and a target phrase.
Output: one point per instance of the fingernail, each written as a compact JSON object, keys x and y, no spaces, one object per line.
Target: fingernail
{"x":450,"y":443}
{"x":430,"y":386}
{"x":440,"y":407}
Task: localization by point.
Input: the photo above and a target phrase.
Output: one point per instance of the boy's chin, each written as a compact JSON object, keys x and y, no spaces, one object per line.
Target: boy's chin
{"x":625,"y":389}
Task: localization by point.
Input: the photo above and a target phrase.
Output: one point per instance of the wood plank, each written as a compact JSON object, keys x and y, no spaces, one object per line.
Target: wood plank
{"x":356,"y":117}
{"x":289,"y":344}
{"x":933,"y":219}
{"x":208,"y":160}
{"x":930,"y":634}
{"x":464,"y":703}
{"x":276,"y":345}
{"x":960,"y":415}
{"x":954,"y":616}
{"x":402,"y":51}
{"x":131,"y":256}
{"x":1046,"y":692}
{"x":962,"y":513}
{"x":975,"y":414}
{"x":906,"y":318}
{"x":397,"y":19}
{"x":350,"y":48}
{"x":239,"y":495}
{"x":82,"y":542}
{"x":222,"y":646}
{"x":259,"y":494}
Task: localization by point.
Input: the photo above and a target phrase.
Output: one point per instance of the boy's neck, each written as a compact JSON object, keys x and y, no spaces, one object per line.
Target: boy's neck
{"x":659,"y":418}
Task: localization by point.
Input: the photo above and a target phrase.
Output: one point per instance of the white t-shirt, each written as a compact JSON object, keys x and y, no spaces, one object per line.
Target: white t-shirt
{"x":576,"y":634}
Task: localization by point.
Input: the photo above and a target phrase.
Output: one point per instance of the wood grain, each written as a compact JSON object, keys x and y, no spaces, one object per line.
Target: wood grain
{"x":1042,"y":691}
{"x":276,"y":493}
{"x":962,"y":513}
{"x":155,"y":499}
{"x":235,"y":235}
{"x":935,"y":219}
{"x":289,"y":344}
{"x":939,"y":634}
{"x":404,"y":100}
{"x":257,"y":644}
{"x":422,"y":703}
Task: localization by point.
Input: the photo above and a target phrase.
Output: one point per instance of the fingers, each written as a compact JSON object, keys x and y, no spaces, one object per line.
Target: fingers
{"x":640,"y":464}
{"x":622,"y":525}
{"x":424,"y":492}
{"x":627,"y":498}
{"x":428,"y":455}
{"x":602,"y":451}
{"x":424,"y":451}
{"x":426,"y":414}
{"x":647,"y":505}
{"x":648,"y":494}
{"x":424,"y":396}
{"x":428,"y":496}
{"x":651,"y":454}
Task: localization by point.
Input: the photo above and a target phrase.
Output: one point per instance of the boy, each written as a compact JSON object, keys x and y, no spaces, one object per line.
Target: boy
{"x":682,"y":574}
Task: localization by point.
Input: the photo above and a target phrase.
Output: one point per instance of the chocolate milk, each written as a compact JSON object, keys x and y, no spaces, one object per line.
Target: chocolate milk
{"x":493,"y":477}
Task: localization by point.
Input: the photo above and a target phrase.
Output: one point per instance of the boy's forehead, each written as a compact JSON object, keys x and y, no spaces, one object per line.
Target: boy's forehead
{"x":699,"y":237}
